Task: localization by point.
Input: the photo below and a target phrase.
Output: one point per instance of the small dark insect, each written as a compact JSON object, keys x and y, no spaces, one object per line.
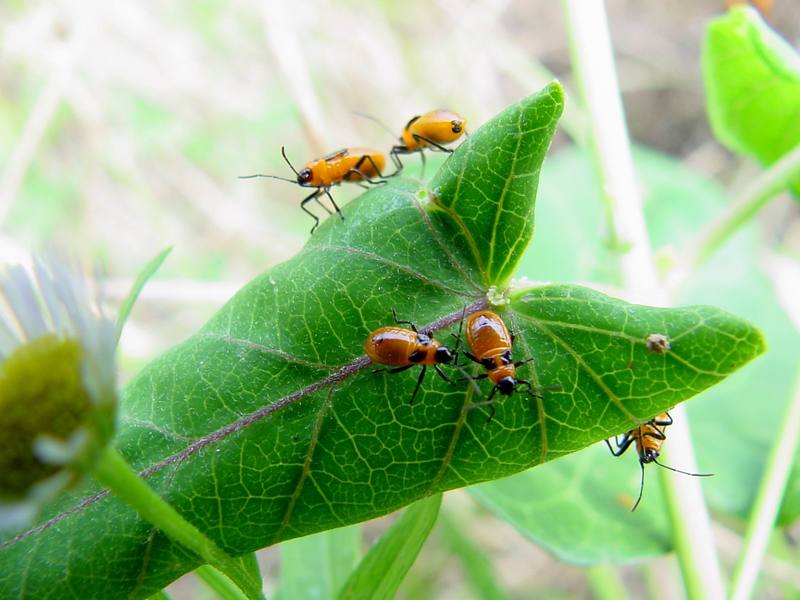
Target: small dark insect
{"x":658,"y":343}
{"x":356,"y":165}
{"x":648,"y":438}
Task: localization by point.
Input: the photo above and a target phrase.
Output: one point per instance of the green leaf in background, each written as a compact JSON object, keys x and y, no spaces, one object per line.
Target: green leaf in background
{"x":752,"y":81}
{"x":579,"y":507}
{"x":382,"y":570}
{"x":269,"y":424}
{"x":316,"y":566}
{"x":732,"y":434}
{"x":491,"y":209}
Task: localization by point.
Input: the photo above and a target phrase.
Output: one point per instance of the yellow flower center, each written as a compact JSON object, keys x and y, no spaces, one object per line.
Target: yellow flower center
{"x":41,"y":393}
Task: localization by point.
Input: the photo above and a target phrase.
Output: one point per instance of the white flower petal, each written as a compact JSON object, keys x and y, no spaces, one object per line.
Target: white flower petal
{"x":8,"y":339}
{"x":15,"y":516}
{"x":58,"y":317}
{"x":55,"y":452}
{"x":23,"y":302}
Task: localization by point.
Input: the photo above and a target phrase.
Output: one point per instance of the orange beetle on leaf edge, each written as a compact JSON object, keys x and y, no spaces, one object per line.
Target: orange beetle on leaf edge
{"x":356,"y":165}
{"x":648,"y":439}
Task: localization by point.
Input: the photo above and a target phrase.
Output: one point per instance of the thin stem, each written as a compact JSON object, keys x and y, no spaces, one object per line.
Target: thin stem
{"x":689,"y":519}
{"x":217,"y":581}
{"x":593,"y":63}
{"x":606,"y":582}
{"x":755,"y":197}
{"x":768,"y":501}
{"x":114,"y":472}
{"x":160,"y":595}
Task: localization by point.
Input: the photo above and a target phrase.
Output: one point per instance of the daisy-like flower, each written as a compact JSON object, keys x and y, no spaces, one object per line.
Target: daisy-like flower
{"x":57,"y":385}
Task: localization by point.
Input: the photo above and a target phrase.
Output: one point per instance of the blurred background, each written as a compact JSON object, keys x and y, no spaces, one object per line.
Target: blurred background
{"x":123,"y":130}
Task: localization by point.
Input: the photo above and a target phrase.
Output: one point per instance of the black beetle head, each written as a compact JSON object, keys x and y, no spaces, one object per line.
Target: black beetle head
{"x":506,"y":386}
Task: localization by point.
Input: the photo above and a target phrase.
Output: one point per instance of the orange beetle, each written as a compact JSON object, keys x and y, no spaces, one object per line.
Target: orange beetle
{"x":490,"y":342}
{"x":349,"y":164}
{"x":648,"y":438}
{"x":431,"y":130}
{"x":404,"y":348}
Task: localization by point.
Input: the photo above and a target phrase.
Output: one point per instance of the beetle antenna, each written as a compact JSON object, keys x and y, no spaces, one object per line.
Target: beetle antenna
{"x":376,"y":120}
{"x":641,"y":487}
{"x":270,"y":176}
{"x":288,"y":162}
{"x":684,"y":472}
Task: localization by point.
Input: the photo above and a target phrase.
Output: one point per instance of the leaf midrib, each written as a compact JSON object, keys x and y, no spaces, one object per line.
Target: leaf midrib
{"x":347,"y":371}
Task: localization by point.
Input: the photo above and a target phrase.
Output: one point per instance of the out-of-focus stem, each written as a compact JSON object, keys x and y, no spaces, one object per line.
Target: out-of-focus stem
{"x":218,"y":582}
{"x":16,"y":166}
{"x":293,"y":66}
{"x":754,"y":197}
{"x":593,"y":63}
{"x":113,"y":471}
{"x":768,"y":500}
{"x":606,"y":583}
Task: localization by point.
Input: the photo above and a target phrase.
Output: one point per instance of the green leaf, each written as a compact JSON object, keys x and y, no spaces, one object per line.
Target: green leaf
{"x":732,"y":434}
{"x":382,"y":570}
{"x":316,"y":566}
{"x":144,"y":276}
{"x":752,"y":80}
{"x":475,"y":565}
{"x":269,"y":423}
{"x":579,"y":508}
{"x":487,"y":190}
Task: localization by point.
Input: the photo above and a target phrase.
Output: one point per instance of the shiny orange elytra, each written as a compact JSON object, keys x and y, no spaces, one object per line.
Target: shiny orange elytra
{"x":648,"y":439}
{"x":404,"y":348}
{"x":490,"y":342}
{"x":356,"y":165}
{"x":434,"y":129}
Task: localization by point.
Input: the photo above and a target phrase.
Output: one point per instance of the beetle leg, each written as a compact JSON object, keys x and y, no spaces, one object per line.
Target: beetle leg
{"x":395,"y":153}
{"x":399,"y":322}
{"x":472,"y":357}
{"x":490,"y":402}
{"x":419,"y":383}
{"x":418,"y":137}
{"x":442,"y":373}
{"x":357,"y":170}
{"x":339,"y":212}
{"x":313,"y":196}
{"x":622,"y":446}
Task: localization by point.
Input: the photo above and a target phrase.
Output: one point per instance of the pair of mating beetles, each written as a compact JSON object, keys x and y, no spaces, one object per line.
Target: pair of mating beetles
{"x":431,"y":131}
{"x":490,"y":343}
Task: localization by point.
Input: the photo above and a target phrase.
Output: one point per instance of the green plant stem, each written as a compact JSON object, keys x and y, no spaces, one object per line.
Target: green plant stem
{"x":768,"y":500}
{"x":113,"y":471}
{"x":606,"y":583}
{"x":477,"y":570}
{"x":689,"y":520}
{"x":756,"y":196}
{"x":219,"y":582}
{"x":160,"y":595}
{"x":593,"y":63}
